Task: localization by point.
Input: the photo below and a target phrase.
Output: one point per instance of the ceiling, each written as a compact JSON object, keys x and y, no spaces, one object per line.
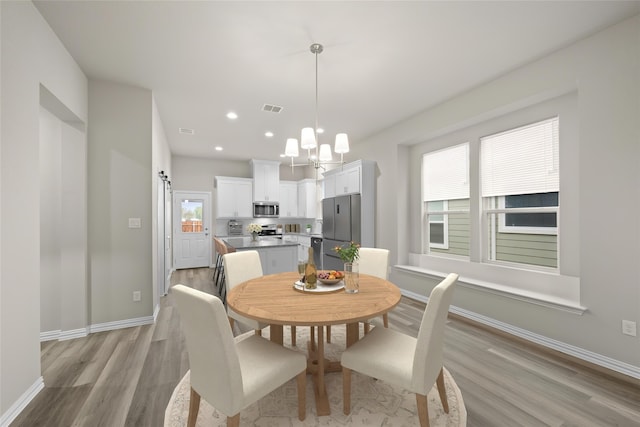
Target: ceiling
{"x":384,"y":61}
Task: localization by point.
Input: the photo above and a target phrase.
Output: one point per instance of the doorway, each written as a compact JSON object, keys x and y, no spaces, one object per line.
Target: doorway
{"x":191,"y":225}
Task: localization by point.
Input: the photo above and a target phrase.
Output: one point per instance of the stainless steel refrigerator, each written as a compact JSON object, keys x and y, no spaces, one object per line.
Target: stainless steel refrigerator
{"x":340,"y":226}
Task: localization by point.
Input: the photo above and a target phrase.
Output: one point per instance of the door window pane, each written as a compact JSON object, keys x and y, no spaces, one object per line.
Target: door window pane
{"x":191,"y":216}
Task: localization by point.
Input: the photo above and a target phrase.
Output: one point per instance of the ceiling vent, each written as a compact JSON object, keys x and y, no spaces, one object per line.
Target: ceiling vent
{"x":271,"y":108}
{"x":186,"y":131}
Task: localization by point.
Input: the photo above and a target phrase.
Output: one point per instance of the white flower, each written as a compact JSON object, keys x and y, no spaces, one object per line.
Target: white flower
{"x":254,"y":228}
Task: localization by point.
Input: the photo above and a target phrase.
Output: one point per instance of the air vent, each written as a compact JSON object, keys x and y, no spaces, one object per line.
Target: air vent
{"x":186,"y":131}
{"x":271,"y":108}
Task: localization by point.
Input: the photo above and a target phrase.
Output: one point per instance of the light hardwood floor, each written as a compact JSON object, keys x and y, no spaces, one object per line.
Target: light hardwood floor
{"x":125,"y":377}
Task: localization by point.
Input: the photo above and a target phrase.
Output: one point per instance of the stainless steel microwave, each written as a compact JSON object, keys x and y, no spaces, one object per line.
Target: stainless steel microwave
{"x":266,"y":209}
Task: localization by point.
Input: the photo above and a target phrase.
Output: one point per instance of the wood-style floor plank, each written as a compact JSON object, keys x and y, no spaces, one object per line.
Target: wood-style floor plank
{"x":125,"y":377}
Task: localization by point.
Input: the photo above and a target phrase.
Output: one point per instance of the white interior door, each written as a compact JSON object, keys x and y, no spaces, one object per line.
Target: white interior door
{"x":191,"y":225}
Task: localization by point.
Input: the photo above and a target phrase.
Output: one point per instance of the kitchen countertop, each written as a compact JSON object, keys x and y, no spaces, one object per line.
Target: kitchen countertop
{"x":262,"y":242}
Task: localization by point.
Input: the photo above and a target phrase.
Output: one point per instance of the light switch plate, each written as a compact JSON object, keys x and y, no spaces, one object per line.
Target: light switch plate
{"x":629,"y":328}
{"x":135,"y":223}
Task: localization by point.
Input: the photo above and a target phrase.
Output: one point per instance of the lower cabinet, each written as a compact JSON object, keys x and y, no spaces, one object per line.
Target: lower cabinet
{"x":276,"y":259}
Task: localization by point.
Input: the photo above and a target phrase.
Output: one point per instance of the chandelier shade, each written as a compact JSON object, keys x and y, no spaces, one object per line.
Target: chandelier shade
{"x":291,"y":150}
{"x":309,"y":137}
{"x":342,"y":143}
{"x":325,"y":153}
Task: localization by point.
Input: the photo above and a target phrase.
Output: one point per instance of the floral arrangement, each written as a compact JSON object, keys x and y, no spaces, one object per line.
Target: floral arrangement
{"x":348,"y":253}
{"x":254,"y":228}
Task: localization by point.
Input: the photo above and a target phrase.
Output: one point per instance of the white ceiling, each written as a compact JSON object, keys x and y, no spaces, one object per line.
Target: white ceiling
{"x":384,"y":61}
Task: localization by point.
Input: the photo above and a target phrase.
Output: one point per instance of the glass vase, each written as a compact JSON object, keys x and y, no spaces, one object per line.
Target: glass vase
{"x":254,"y":237}
{"x":351,"y":277}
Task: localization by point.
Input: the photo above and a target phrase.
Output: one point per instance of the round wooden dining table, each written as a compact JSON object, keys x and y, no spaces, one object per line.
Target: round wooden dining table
{"x":272,"y":299}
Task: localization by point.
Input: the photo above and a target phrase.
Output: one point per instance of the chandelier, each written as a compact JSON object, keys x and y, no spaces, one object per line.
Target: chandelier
{"x":318,"y":155}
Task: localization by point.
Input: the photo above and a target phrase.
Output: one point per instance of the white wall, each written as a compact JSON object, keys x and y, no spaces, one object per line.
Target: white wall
{"x":605,"y":71}
{"x":120,"y":187}
{"x":31,"y":56}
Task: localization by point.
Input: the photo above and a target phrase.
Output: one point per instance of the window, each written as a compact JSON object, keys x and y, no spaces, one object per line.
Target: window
{"x":446,"y":201}
{"x":191,"y":215}
{"x":531,"y":223}
{"x":519,"y":180}
{"x":438,"y":236}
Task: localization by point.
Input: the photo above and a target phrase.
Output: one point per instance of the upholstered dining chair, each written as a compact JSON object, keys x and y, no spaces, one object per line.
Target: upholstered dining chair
{"x":375,"y":262}
{"x":228,"y":373}
{"x":218,"y":274}
{"x":414,"y":364}
{"x":239,"y":267}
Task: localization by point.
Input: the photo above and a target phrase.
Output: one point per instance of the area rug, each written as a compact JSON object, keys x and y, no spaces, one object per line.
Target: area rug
{"x":373,"y":402}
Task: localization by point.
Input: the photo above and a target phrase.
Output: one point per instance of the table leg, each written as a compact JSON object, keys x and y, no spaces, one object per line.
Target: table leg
{"x":322,"y":399}
{"x":353,"y":333}
{"x":275,"y":334}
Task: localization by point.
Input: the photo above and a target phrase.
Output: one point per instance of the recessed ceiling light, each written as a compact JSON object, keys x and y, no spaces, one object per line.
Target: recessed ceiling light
{"x":218,"y":148}
{"x":231,"y":115}
{"x":320,"y":130}
{"x":283,"y":155}
{"x":268,"y":134}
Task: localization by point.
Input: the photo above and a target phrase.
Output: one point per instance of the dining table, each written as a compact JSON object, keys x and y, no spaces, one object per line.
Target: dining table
{"x":273,"y":299}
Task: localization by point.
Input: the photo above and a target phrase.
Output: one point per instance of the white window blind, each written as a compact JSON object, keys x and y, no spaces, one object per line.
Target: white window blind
{"x":521,"y":161}
{"x":445,"y":174}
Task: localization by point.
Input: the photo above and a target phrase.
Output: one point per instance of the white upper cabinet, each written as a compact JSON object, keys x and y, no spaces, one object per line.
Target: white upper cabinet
{"x":307,"y":200}
{"x":348,"y":181}
{"x":266,"y":180}
{"x":288,"y":199}
{"x":329,"y":185}
{"x":234,"y":197}
{"x":338,"y":182}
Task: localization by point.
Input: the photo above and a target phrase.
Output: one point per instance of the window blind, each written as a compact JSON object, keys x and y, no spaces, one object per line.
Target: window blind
{"x":523,"y":160}
{"x":445,"y":174}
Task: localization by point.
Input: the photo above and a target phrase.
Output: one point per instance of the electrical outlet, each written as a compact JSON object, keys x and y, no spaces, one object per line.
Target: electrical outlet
{"x":136,"y":296}
{"x":629,"y":327}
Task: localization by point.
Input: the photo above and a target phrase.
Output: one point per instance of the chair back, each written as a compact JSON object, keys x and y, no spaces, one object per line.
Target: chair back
{"x":428,"y":359}
{"x":240,"y":267}
{"x":213,"y":360}
{"x":374,"y":261}
{"x":218,"y":243}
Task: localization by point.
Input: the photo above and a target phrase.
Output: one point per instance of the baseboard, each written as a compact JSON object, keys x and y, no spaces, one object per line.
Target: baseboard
{"x":99,"y":327}
{"x":579,"y":355}
{"x":22,"y":402}
{"x":63,"y":335}
{"x":50,"y":335}
{"x":120,"y":324}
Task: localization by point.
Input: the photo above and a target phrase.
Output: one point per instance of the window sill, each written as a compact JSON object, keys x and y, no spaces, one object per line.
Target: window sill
{"x":540,"y":288}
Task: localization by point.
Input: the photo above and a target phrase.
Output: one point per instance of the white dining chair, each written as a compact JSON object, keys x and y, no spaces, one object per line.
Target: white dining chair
{"x":414,"y":364}
{"x":239,"y":267}
{"x":375,"y":262}
{"x":228,"y":373}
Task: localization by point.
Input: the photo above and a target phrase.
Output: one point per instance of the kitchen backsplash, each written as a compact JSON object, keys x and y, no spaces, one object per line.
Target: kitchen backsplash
{"x":299,"y":224}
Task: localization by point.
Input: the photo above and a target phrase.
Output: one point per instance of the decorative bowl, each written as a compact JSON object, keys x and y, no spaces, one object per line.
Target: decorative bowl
{"x":329,"y":281}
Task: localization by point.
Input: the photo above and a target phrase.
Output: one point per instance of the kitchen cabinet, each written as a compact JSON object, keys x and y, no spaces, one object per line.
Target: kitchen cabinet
{"x":329,"y":186}
{"x":307,"y":201}
{"x":266,"y":180}
{"x":348,"y":181}
{"x":341,"y":181}
{"x":288,"y":199}
{"x":234,"y":197}
{"x":278,"y":259}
